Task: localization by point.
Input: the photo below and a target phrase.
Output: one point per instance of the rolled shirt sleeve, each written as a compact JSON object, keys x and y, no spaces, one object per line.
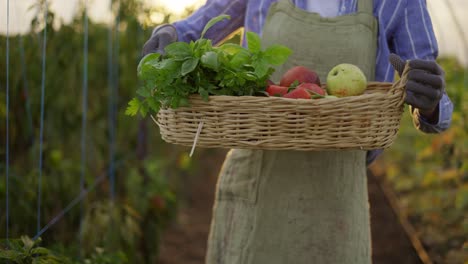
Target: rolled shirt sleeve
{"x":445,"y":117}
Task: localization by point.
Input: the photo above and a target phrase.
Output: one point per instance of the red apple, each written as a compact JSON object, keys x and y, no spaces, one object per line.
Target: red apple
{"x":276,"y":90}
{"x":314,"y":88}
{"x":298,"y":93}
{"x":300,"y":74}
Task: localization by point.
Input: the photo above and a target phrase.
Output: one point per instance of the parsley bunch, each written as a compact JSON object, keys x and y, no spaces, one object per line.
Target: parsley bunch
{"x":200,"y":68}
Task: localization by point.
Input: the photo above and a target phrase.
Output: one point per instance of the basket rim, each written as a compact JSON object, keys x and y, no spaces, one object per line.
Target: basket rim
{"x":391,"y":93}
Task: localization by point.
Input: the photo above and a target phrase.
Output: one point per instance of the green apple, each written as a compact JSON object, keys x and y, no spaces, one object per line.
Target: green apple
{"x":346,"y":80}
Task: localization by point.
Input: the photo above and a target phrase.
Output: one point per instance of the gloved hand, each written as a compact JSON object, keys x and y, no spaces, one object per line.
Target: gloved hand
{"x":162,"y":36}
{"x":425,"y":85}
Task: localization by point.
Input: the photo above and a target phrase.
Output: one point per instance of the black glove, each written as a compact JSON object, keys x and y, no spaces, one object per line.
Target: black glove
{"x":425,"y":85}
{"x":161,"y":37}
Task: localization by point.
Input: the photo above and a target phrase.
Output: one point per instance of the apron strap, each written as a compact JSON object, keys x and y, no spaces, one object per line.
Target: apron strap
{"x":366,"y":6}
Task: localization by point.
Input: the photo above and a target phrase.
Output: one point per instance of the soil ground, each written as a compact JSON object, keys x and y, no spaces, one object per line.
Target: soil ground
{"x":185,"y":241}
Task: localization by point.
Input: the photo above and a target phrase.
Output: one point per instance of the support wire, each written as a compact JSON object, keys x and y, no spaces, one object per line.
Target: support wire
{"x":7,"y":143}
{"x":84,"y":108}
{"x":41,"y":136}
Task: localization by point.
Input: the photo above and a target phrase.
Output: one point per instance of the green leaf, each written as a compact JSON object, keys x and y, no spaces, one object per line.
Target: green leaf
{"x":253,"y":42}
{"x":277,"y":54}
{"x":240,"y":58}
{"x":188,"y":66}
{"x":204,"y":93}
{"x":170,"y":70}
{"x":315,"y":95}
{"x":15,"y":244}
{"x":178,"y":50}
{"x":294,"y":84}
{"x":144,"y":109}
{"x":146,"y":64}
{"x":184,"y":102}
{"x":210,"y":60}
{"x":251,"y":76}
{"x":40,"y":251}
{"x":212,"y":22}
{"x":144,"y":91}
{"x":261,"y":68}
{"x":153,"y":104}
{"x":201,"y":46}
{"x":11,"y":255}
{"x":28,"y":242}
{"x":133,"y":107}
{"x":231,"y":48}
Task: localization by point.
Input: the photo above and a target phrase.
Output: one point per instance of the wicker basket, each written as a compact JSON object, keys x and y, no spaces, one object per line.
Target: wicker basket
{"x":369,"y":121}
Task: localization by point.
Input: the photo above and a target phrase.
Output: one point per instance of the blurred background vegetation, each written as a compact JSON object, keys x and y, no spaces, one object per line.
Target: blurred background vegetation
{"x":147,"y":171}
{"x":428,"y":172}
{"x":430,"y":175}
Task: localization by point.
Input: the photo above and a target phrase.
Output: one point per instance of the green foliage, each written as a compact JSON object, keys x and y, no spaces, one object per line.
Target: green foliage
{"x":212,"y":22}
{"x":200,"y":68}
{"x":146,"y":170}
{"x":27,"y":251}
{"x":430,"y":174}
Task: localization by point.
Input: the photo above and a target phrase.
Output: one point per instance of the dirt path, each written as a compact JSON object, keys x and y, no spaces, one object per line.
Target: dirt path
{"x":390,"y":243}
{"x":185,"y":242}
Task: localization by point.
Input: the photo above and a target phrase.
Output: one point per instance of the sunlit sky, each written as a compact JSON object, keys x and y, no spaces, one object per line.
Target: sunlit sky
{"x":448,"y":38}
{"x":20,"y":15}
{"x":179,"y":5}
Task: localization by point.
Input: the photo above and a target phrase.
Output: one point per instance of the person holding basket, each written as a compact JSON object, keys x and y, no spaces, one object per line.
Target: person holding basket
{"x":312,"y":206}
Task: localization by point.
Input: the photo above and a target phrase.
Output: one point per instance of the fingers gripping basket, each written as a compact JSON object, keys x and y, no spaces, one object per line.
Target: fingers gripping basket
{"x":368,"y":121}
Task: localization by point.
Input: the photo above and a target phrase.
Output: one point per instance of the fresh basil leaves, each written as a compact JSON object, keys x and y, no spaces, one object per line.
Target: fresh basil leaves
{"x":200,"y":68}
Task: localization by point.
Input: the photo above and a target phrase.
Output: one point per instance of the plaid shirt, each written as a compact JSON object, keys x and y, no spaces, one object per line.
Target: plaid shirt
{"x":405,"y":28}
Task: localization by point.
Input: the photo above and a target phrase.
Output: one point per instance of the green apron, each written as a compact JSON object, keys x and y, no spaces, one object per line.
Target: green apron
{"x":281,"y":207}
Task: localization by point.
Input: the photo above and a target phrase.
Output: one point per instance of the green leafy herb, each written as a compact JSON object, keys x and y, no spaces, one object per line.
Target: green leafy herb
{"x":212,"y":22}
{"x":200,"y":68}
{"x":133,"y":107}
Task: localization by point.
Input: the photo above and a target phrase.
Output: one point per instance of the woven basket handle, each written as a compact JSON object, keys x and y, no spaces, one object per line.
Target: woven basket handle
{"x":400,"y":85}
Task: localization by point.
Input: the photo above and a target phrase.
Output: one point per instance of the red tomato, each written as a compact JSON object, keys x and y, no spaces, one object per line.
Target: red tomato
{"x":314,"y":88}
{"x":276,"y":90}
{"x":298,"y":93}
